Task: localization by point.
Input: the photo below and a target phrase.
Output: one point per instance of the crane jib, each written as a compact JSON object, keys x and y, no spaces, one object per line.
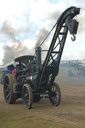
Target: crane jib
{"x":48,"y":55}
{"x":66,"y":22}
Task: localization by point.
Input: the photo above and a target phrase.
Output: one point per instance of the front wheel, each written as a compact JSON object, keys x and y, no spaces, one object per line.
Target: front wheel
{"x":55,"y":94}
{"x":27,"y":96}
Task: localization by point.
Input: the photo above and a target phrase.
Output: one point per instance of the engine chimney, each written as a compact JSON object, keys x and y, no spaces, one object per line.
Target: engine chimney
{"x":38,"y":55}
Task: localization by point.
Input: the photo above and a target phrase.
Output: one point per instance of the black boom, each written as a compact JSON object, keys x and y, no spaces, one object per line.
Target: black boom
{"x":52,"y":61}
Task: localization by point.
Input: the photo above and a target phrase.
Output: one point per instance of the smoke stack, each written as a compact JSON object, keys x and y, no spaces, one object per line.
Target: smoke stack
{"x":38,"y":55}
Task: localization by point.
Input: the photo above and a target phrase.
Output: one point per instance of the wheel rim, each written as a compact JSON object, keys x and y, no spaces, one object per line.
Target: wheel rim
{"x":26,"y":97}
{"x":54,"y":95}
{"x":7,"y":89}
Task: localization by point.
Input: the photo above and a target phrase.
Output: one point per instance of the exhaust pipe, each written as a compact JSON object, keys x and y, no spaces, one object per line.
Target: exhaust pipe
{"x":38,"y":55}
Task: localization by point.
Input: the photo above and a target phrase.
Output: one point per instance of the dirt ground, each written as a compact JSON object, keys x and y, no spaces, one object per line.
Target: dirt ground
{"x":69,"y":114}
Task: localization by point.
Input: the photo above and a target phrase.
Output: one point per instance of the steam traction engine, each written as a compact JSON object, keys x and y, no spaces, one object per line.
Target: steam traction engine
{"x":28,"y":78}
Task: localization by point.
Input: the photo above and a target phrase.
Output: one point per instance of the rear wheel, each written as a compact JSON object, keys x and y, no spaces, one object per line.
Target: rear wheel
{"x":55,"y":94}
{"x":27,"y":96}
{"x":9,"y":96}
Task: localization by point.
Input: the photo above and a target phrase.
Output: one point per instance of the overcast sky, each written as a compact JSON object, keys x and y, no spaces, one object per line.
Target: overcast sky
{"x":22,"y":20}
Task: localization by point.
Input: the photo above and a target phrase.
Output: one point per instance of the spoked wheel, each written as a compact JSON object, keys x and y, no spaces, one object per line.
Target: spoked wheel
{"x":55,"y":94}
{"x":27,"y":96}
{"x":9,"y":96}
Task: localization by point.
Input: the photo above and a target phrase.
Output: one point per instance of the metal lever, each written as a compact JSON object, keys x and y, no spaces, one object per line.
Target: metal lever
{"x":73,"y":38}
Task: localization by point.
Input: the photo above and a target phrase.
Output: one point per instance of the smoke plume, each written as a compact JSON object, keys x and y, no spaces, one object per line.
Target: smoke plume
{"x":11,"y":52}
{"x":41,"y":36}
{"x":8,"y":30}
{"x":52,"y":17}
{"x":17,"y":48}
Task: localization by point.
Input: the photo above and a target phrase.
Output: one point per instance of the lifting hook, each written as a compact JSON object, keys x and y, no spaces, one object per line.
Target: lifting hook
{"x":73,"y":38}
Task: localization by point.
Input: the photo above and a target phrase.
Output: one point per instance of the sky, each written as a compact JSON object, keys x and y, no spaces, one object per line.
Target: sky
{"x":23,"y":21}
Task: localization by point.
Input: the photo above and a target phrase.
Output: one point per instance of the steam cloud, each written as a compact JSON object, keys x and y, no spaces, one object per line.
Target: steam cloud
{"x":44,"y":32}
{"x":41,"y":35}
{"x":17,"y":49}
{"x":8,"y":30}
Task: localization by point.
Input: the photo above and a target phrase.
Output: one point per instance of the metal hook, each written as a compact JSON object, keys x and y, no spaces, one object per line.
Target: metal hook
{"x":73,"y":38}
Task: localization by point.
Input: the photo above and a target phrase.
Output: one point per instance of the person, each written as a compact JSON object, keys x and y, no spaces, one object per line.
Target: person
{"x":10,"y":69}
